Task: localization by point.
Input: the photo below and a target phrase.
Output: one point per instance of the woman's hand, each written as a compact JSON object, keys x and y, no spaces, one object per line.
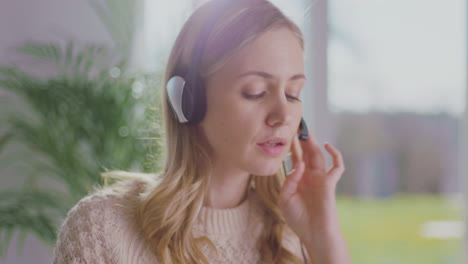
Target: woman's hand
{"x":307,"y":200}
{"x":307,"y":197}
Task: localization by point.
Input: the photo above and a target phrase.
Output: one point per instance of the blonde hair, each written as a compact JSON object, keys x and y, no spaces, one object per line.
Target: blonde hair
{"x":169,"y":210}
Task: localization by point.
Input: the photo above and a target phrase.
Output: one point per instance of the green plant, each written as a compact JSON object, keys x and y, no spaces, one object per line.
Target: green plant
{"x":88,"y":118}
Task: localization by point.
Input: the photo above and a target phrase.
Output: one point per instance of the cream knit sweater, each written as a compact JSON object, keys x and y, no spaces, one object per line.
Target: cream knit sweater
{"x":100,"y":228}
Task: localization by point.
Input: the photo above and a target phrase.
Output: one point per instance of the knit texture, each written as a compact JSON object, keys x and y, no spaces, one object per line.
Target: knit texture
{"x":101,"y":228}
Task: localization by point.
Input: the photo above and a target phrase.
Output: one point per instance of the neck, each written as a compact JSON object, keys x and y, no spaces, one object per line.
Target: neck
{"x":228,"y":188}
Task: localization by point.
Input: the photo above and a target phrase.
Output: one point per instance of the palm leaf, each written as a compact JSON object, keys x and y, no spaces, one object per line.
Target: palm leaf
{"x":81,"y":122}
{"x":76,"y":129}
{"x":48,"y":52}
{"x":31,"y":211}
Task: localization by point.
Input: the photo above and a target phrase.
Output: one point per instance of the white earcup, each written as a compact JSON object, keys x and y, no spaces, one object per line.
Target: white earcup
{"x":175,"y":88}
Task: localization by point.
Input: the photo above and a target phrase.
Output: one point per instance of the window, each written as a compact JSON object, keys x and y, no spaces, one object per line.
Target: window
{"x":397,"y":56}
{"x":396,"y":93}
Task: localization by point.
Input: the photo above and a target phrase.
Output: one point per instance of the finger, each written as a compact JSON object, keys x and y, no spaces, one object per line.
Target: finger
{"x":313,"y":143}
{"x":312,"y":154}
{"x":338,"y":164}
{"x":290,"y":184}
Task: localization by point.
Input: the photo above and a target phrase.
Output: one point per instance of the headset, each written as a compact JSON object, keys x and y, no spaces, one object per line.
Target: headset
{"x":288,"y":166}
{"x":186,"y":90}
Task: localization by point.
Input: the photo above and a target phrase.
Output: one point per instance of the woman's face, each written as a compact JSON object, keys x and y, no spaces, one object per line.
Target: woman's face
{"x":252,"y":99}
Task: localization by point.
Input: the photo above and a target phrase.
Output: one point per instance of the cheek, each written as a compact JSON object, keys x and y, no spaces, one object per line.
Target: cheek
{"x":236,"y":130}
{"x":229,"y":121}
{"x":224,"y":131}
{"x":296,"y":127}
{"x":233,"y":136}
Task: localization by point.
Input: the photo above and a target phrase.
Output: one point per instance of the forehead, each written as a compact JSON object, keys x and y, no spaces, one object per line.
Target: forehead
{"x":277,"y":51}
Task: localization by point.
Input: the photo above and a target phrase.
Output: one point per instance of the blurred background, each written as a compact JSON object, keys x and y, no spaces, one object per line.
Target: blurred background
{"x":80,"y":83}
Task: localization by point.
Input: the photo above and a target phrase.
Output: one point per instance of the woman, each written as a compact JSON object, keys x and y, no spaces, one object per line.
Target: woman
{"x":222,"y":197}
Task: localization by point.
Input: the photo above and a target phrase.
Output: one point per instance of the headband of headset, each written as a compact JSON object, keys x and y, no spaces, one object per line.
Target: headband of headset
{"x":185,"y":89}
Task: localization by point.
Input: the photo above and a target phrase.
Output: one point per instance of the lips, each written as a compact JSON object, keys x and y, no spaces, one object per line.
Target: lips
{"x":273,"y":146}
{"x":274,"y":140}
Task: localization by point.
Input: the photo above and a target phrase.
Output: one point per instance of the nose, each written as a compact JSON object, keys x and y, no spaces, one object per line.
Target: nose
{"x":280,"y":113}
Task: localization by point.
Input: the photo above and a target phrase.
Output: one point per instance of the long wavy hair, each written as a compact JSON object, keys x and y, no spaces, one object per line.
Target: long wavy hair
{"x":169,"y":209}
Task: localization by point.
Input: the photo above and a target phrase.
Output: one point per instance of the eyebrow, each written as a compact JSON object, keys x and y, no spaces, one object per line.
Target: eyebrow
{"x":269,"y":76}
